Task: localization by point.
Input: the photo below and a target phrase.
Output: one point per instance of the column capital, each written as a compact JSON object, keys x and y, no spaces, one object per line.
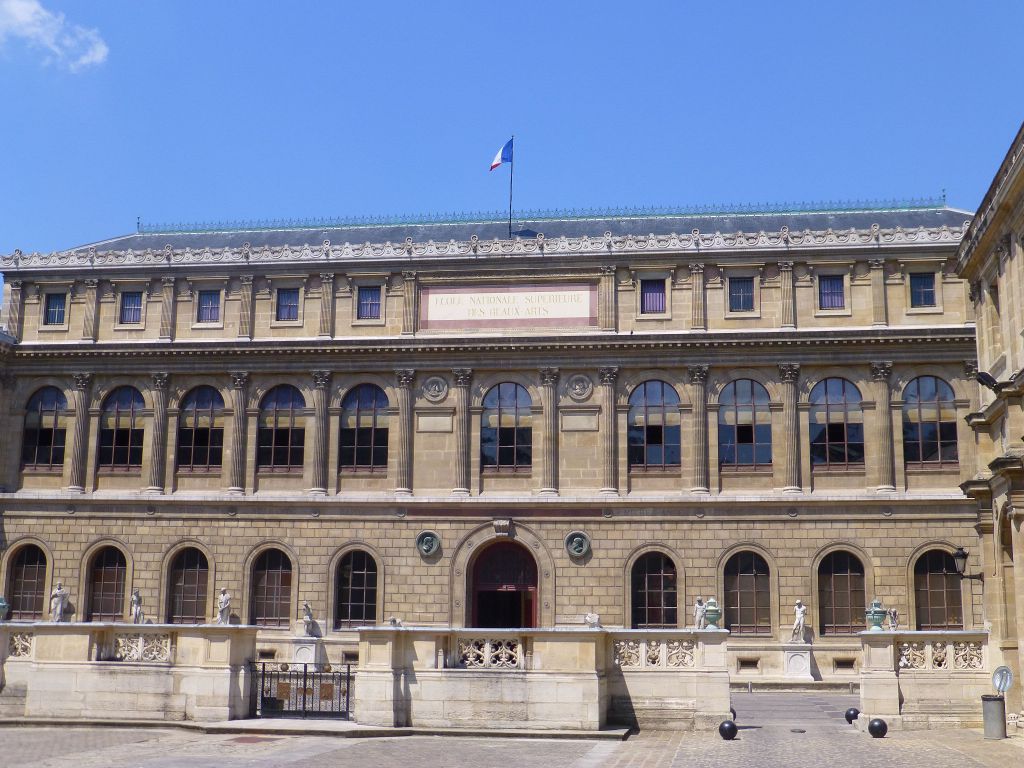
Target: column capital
{"x":160,"y":380}
{"x":246,"y":279}
{"x":16,"y":285}
{"x":785,"y":266}
{"x":82,"y":381}
{"x":409,"y":275}
{"x":239,"y":379}
{"x":876,"y":263}
{"x":90,"y":282}
{"x":167,"y":282}
{"x":608,"y":376}
{"x":970,"y":368}
{"x":548,"y":376}
{"x":405,"y":377}
{"x":698,"y":374}
{"x":608,"y":270}
{"x":789,"y":372}
{"x":326,"y":277}
{"x":321,"y":379}
{"x":463,"y":376}
{"x":696,"y":267}
{"x":881,"y":370}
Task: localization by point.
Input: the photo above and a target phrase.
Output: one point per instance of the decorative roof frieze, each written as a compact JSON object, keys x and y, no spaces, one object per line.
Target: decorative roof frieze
{"x":695,"y":242}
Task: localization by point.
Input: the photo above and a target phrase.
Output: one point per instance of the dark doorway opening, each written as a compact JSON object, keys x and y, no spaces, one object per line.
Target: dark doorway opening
{"x":504,"y":587}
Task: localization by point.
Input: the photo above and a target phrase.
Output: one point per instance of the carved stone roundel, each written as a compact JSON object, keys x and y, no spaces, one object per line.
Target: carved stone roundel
{"x":435,"y":389}
{"x":428,"y":542}
{"x":577,"y":544}
{"x":579,"y":387}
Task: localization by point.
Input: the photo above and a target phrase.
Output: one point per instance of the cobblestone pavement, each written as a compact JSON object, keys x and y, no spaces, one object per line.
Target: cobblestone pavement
{"x":769,"y":736}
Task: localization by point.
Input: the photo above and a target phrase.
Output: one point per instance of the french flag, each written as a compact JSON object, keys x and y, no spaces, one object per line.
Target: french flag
{"x":504,"y":155}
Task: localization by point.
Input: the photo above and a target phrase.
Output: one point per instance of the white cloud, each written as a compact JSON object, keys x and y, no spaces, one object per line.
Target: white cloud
{"x":66,"y":44}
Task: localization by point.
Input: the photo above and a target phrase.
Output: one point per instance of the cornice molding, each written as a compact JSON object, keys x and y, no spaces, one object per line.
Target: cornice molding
{"x":316,"y":256}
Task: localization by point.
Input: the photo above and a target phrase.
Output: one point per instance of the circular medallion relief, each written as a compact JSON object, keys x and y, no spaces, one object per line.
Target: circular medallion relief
{"x":435,"y":389}
{"x":579,"y":387}
{"x":577,"y":544}
{"x":428,"y":543}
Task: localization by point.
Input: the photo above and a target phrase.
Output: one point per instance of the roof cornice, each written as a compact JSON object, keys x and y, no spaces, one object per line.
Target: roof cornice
{"x":783,"y":241}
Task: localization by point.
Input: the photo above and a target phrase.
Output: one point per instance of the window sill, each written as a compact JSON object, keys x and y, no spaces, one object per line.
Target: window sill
{"x":44,"y":328}
{"x":375,"y":471}
{"x":674,"y":471}
{"x":928,"y":310}
{"x":653,"y":316}
{"x":37,"y":470}
{"x":279,"y":470}
{"x":286,"y":323}
{"x":928,"y":469}
{"x":833,"y":313}
{"x":746,"y":469}
{"x":207,"y":471}
{"x":368,"y":321}
{"x":129,"y":327}
{"x":852,"y":469}
{"x":745,"y":314}
{"x":135,"y":471}
{"x":514,"y":471}
{"x":218,"y":326}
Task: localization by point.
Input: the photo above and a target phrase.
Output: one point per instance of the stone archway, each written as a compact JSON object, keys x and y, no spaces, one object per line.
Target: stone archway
{"x":503,"y":587}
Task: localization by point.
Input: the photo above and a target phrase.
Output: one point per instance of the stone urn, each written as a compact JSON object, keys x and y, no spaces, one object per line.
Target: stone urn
{"x":875,"y":615}
{"x":712,"y":614}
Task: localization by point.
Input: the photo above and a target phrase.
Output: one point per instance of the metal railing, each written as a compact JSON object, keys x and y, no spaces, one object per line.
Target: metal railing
{"x":300,"y":690}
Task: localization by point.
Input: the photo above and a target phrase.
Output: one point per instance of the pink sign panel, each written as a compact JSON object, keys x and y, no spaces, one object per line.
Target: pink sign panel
{"x":479,"y":307}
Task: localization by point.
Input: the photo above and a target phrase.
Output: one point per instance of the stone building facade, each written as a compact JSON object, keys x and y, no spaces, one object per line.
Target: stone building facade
{"x":436,"y":423}
{"x":991,"y":259}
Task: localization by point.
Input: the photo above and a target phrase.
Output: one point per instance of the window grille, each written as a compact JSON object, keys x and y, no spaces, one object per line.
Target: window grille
{"x":652,"y":297}
{"x":748,"y":602}
{"x":506,"y":434}
{"x":653,"y":435}
{"x":209,"y":307}
{"x":364,"y":430}
{"x":922,"y":289}
{"x":369,"y":302}
{"x":272,"y":589}
{"x":131,"y":308}
{"x":27,"y":585}
{"x":281,"y":438}
{"x":841,"y":594}
{"x":45,"y":433}
{"x":201,"y":431}
{"x":929,"y":423}
{"x":54,"y":309}
{"x":836,"y":424}
{"x":356,"y":590}
{"x":831,"y":292}
{"x":106,"y":585}
{"x":188,"y":588}
{"x":121,"y":430}
{"x":741,"y":294}
{"x":939,"y":604}
{"x":744,"y":426}
{"x":654,"y":592}
{"x":287,"y":304}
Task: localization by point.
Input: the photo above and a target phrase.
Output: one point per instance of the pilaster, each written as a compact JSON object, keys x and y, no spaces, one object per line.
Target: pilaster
{"x":788,"y":294}
{"x":699,"y":318}
{"x":879,"y":308}
{"x":607,"y":309}
{"x":790,"y":375}
{"x":404,"y":379}
{"x":699,"y":386}
{"x":89,"y":302}
{"x":239,"y":389}
{"x":883,"y":438}
{"x":326,"y":305}
{"x":318,"y":479}
{"x":167,"y":304}
{"x":463,"y":379}
{"x":14,"y":309}
{"x":609,"y":431}
{"x":158,"y":443}
{"x":410,"y":300}
{"x":245,"y":316}
{"x":80,"y":439}
{"x":549,"y":448}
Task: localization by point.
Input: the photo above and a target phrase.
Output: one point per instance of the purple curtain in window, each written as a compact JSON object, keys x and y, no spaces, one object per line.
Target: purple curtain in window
{"x":652,"y":297}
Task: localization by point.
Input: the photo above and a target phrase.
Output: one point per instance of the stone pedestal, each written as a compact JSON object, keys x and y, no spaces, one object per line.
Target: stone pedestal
{"x":308,"y":650}
{"x":797,"y":661}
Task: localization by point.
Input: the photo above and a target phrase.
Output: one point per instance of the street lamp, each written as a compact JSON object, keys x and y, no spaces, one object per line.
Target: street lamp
{"x":960,"y":561}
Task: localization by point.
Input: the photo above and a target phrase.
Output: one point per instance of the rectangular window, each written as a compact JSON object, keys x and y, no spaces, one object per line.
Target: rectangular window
{"x":741,"y":294}
{"x":131,"y":308}
{"x":652,"y":297}
{"x":54,"y":314}
{"x":287,"y":304}
{"x":209,"y":307}
{"x":922,"y":289}
{"x":831,"y":292}
{"x":369,"y":303}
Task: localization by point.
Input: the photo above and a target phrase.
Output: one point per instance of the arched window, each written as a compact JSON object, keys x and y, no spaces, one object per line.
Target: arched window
{"x":837,"y":424}
{"x":653,"y":434}
{"x":840,"y":594}
{"x":121,"y":430}
{"x":187,"y":587}
{"x":937,"y":592}
{"x":272,"y":589}
{"x":281,"y":436}
{"x":748,"y":595}
{"x":929,"y":423}
{"x":355,"y":590}
{"x":106,"y":585}
{"x":506,"y":437}
{"x":744,"y":426}
{"x":26,"y":584}
{"x":364,"y":429}
{"x":654,"y":592}
{"x":201,"y":431}
{"x":45,"y":429}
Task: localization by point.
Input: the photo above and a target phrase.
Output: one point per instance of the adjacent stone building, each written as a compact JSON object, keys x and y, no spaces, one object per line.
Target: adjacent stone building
{"x":433,"y":422}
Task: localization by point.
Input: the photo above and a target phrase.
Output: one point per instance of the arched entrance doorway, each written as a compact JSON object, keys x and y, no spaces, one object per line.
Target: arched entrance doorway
{"x":504,"y":587}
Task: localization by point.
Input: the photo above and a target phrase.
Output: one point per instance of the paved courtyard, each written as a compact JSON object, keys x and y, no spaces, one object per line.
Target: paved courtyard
{"x":768,"y":737}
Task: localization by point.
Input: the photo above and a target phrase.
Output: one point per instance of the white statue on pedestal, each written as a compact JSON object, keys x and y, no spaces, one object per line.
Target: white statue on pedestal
{"x":224,"y":607}
{"x":700,"y":610}
{"x":138,"y":617}
{"x":800,"y":616}
{"x":894,"y":619}
{"x":59,"y":602}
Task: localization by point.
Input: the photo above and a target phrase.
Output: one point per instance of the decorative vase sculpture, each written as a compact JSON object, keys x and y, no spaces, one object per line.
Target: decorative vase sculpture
{"x":712,"y":614}
{"x":875,"y":615}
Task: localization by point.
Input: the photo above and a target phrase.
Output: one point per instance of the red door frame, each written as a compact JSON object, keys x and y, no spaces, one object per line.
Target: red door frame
{"x":514,"y":579}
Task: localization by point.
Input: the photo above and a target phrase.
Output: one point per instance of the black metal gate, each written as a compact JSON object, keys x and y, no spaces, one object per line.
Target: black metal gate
{"x":300,"y":690}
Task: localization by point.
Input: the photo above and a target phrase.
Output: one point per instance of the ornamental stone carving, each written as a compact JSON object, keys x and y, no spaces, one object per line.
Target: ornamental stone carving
{"x":82,"y":381}
{"x":405,"y":377}
{"x":321,"y":379}
{"x":20,"y":645}
{"x":548,"y":376}
{"x":789,"y":372}
{"x":239,"y":379}
{"x":428,"y":543}
{"x":502,"y":528}
{"x":577,"y":544}
{"x":435,"y":389}
{"x":579,"y":387}
{"x":698,"y":374}
{"x":881,"y":370}
{"x":160,"y":381}
{"x":463,"y":376}
{"x":608,"y":376}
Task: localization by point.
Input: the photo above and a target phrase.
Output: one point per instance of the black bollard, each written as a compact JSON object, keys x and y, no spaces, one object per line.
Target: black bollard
{"x":727,"y":730}
{"x":851,"y":714}
{"x":878,"y":728}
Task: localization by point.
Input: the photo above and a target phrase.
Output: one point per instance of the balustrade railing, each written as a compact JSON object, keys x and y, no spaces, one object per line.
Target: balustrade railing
{"x":940,"y":651}
{"x":489,"y":652}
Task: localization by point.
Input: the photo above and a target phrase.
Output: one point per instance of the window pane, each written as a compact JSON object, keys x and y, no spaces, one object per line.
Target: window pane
{"x":652,"y":297}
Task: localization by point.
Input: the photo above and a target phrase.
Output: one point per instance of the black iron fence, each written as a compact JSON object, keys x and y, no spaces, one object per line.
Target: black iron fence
{"x":300,"y":690}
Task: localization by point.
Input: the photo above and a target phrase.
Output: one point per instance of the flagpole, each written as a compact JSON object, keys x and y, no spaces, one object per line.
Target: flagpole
{"x":511,"y":175}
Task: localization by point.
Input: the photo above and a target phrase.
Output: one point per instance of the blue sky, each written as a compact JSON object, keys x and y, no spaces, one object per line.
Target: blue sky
{"x":185,"y":111}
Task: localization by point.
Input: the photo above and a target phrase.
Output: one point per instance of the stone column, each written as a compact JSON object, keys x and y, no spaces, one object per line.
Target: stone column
{"x":326,"y":304}
{"x":698,"y":320}
{"x":790,"y":375}
{"x":788,"y":305}
{"x":410,"y":299}
{"x":239,"y":391}
{"x":880,"y":372}
{"x":607,"y":308}
{"x":321,"y":384}
{"x":609,"y":431}
{"x":158,"y":444}
{"x":549,"y":397}
{"x":403,"y":482}
{"x":699,"y":383}
{"x":245,"y":318}
{"x":463,"y":378}
{"x":14,"y":309}
{"x":879,"y":311}
{"x":89,"y":302}
{"x":80,"y":440}
{"x":167,"y":302}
